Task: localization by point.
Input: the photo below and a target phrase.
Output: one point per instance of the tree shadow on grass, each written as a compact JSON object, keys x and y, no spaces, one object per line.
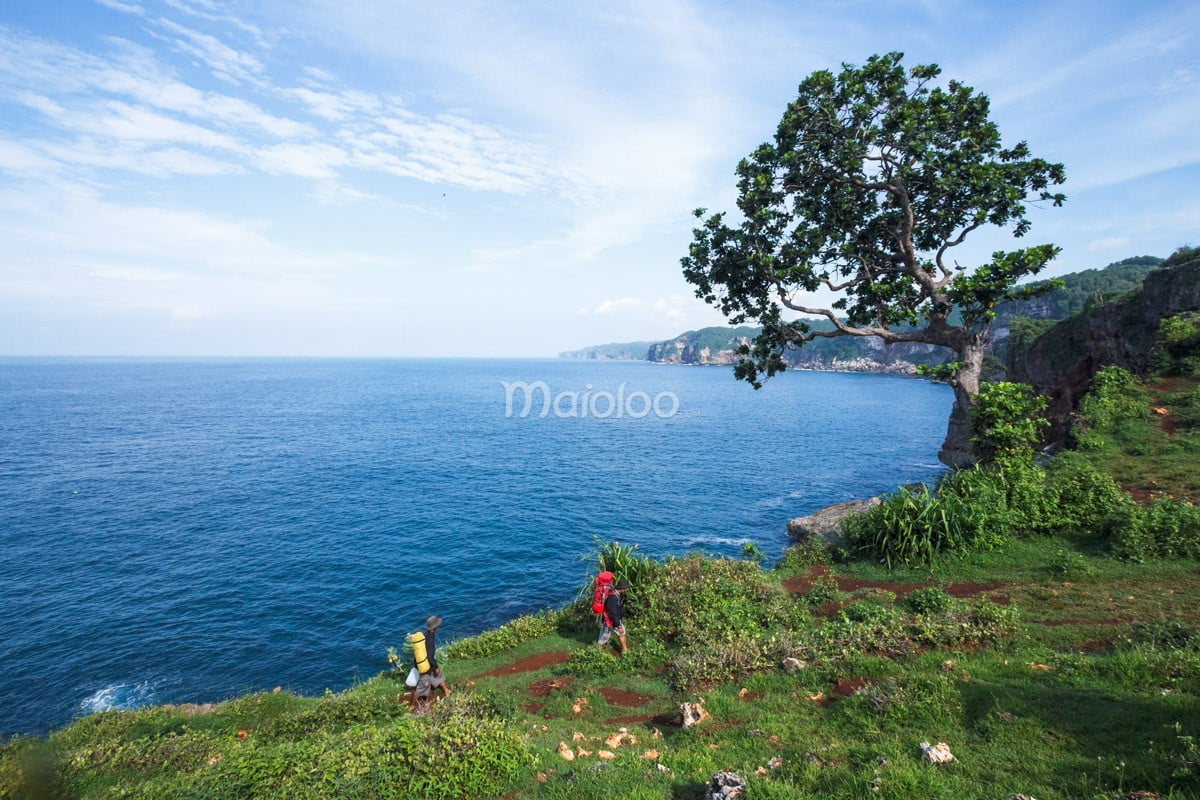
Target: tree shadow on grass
{"x":1090,"y":726}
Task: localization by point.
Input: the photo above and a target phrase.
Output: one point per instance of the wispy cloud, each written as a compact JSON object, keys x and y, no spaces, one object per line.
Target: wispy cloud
{"x":126,"y":111}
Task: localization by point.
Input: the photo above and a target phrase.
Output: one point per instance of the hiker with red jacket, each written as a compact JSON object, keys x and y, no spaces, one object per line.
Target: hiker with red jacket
{"x":612,"y":615}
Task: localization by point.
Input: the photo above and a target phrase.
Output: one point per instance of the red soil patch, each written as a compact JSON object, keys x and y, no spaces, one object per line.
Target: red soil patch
{"x":750,"y":697}
{"x":1143,"y":496}
{"x":1000,"y":599}
{"x":829,"y":610}
{"x":533,"y":708}
{"x":1096,"y":646}
{"x":625,"y":699}
{"x":544,"y":686}
{"x":1058,"y":623}
{"x":801,"y":584}
{"x":849,"y":686}
{"x":530,"y":664}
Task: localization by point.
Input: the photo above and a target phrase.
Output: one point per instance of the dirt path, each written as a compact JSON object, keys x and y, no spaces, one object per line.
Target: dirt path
{"x":531,"y":664}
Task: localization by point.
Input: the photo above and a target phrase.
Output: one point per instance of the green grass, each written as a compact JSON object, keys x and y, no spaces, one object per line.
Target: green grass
{"x":1145,"y":456}
{"x":1106,"y":701}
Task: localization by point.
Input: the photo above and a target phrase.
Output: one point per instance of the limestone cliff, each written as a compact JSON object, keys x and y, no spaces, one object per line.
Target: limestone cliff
{"x":1118,"y":331}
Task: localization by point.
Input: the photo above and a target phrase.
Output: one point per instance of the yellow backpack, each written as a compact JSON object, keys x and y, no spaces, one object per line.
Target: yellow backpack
{"x":420,"y":656}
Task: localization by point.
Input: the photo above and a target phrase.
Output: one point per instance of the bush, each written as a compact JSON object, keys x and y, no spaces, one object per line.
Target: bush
{"x":590,"y":661}
{"x":1069,"y":565}
{"x":964,"y":623}
{"x":823,"y":590}
{"x":702,"y":601}
{"x":1007,"y":420}
{"x":1167,"y":529}
{"x":625,"y":563}
{"x":930,"y":600}
{"x":802,"y":555}
{"x":1087,"y":499}
{"x":872,"y":612}
{"x":1177,"y":351}
{"x":1111,"y":410}
{"x":1168,"y":635}
{"x":700,"y":665}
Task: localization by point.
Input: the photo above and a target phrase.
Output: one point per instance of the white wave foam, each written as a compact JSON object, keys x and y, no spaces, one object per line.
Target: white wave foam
{"x":119,"y":697}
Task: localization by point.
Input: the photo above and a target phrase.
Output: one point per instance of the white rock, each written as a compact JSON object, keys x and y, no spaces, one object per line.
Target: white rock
{"x":936,"y":754}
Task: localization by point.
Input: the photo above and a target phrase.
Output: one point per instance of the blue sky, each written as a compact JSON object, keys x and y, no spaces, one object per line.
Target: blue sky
{"x":372,"y":178}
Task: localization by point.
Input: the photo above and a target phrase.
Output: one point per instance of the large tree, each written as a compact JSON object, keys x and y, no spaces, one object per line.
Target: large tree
{"x":876,"y":174}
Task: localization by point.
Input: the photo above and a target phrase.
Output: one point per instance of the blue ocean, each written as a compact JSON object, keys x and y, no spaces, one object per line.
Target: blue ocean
{"x":193,"y":529}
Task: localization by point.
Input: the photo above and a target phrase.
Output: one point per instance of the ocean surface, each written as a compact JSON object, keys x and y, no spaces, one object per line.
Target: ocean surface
{"x":188,"y":530}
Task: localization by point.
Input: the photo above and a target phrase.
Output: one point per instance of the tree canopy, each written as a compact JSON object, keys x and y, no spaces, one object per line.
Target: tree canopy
{"x":875,"y":175}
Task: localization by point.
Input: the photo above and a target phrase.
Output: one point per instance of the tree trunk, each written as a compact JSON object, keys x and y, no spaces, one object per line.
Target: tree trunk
{"x":957,"y":451}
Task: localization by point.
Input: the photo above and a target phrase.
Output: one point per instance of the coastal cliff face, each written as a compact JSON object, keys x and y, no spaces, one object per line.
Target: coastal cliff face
{"x":718,"y":345}
{"x":1119,"y":332}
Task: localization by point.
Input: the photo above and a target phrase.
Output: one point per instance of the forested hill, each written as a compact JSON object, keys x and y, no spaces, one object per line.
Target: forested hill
{"x":1023,"y":319}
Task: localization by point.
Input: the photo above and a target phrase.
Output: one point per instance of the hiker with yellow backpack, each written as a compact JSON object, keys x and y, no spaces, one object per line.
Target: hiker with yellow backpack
{"x":429,"y":674}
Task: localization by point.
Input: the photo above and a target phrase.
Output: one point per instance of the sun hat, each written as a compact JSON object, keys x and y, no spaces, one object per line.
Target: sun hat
{"x":433,"y":623}
{"x":622,"y":584}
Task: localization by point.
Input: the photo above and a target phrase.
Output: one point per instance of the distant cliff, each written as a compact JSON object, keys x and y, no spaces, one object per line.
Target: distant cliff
{"x":624,"y":351}
{"x":1019,"y":321}
{"x":1118,"y":330}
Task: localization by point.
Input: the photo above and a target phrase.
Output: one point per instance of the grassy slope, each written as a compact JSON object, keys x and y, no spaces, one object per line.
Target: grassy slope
{"x":1062,"y":732}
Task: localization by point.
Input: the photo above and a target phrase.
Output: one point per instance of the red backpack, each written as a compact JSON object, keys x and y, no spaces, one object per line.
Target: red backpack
{"x":604,"y":584}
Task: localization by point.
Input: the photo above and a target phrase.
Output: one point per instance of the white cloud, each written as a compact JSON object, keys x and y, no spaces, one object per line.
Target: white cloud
{"x":123,"y":7}
{"x":225,"y":62}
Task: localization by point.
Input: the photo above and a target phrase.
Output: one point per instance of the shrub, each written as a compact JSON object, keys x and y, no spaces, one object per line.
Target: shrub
{"x":1007,"y":420}
{"x":823,"y":590}
{"x":1177,"y":351}
{"x":802,"y":555}
{"x":961,"y":623}
{"x":1086,"y":497}
{"x":1114,"y":401}
{"x":1167,"y":529}
{"x":1187,"y":409}
{"x":871,"y":612}
{"x":590,"y":661}
{"x":702,"y":601}
{"x":930,"y":600}
{"x":460,"y":749}
{"x":625,"y":562}
{"x":700,"y":664}
{"x":1069,"y":564}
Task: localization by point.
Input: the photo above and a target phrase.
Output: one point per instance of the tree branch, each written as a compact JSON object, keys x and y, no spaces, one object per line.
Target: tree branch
{"x":947,"y":274}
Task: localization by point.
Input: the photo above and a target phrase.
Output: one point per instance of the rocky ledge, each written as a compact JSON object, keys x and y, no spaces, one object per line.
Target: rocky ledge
{"x":824,"y":524}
